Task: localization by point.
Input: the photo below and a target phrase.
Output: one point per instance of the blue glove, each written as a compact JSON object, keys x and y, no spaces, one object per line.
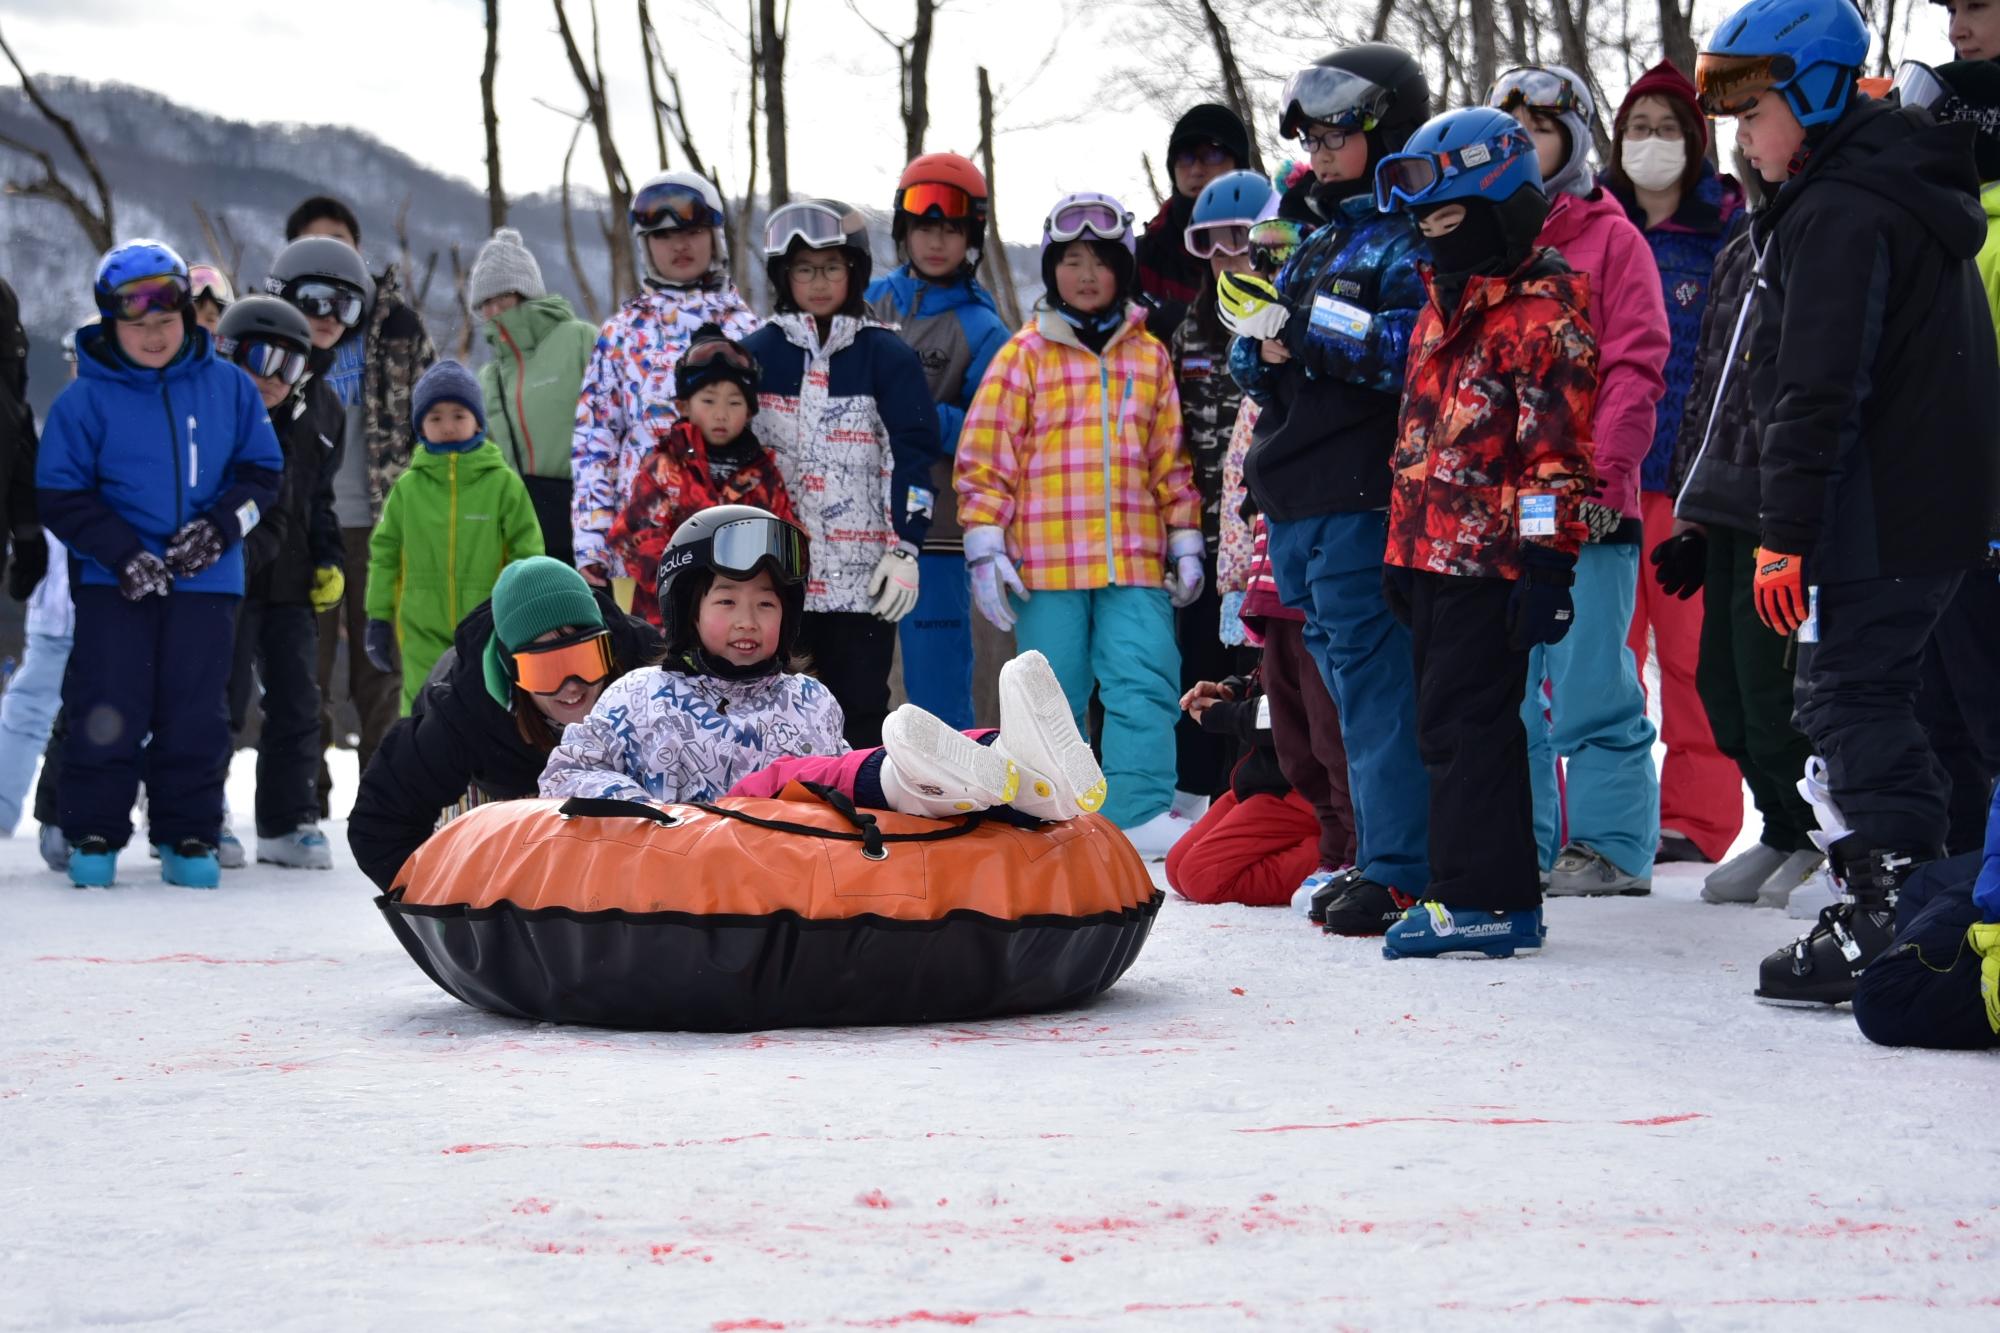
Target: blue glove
{"x":379,"y":642}
{"x":1541,"y":608}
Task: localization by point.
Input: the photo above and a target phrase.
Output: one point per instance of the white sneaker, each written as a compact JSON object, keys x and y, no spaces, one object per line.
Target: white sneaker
{"x":1817,"y":891}
{"x":1060,"y":778}
{"x":229,"y":850}
{"x":304,"y":848}
{"x":931,"y":770}
{"x":1157,"y":836}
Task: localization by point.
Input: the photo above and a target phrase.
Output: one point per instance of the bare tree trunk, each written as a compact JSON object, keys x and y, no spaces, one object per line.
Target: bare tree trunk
{"x":592,"y":311}
{"x":597,"y":106}
{"x":917,"y":82}
{"x":1486,"y":45}
{"x":993,"y":258}
{"x":1234,"y":90}
{"x":649,"y":49}
{"x":496,"y":198}
{"x":460,"y":340}
{"x":771,"y":32}
{"x":405,"y":260}
{"x":1573,"y":28}
{"x":1518,"y":30}
{"x":1379,"y":29}
{"x":740,"y":266}
{"x":224,"y":250}
{"x":98,"y":223}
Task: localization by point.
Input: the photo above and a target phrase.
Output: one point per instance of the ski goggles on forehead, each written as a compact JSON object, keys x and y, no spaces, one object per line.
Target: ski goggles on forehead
{"x":1218,"y":238}
{"x":1536,"y":89}
{"x":1729,"y":85}
{"x":270,"y":360}
{"x":316,"y":299}
{"x":206,"y":281}
{"x":817,"y":225}
{"x":1087,"y":218}
{"x":742,"y":548}
{"x":1337,"y":97}
{"x":163,"y":294}
{"x":546,"y":668}
{"x":1404,"y":180}
{"x":935,"y":199}
{"x":715,"y":349}
{"x":673,"y":207}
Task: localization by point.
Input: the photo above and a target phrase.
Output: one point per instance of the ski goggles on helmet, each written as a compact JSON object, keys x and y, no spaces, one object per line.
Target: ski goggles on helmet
{"x":1087,"y":217}
{"x":207,"y":283}
{"x":936,"y":199}
{"x":1917,"y":84}
{"x":269,"y":360}
{"x":672,"y":206}
{"x":1729,"y":85}
{"x":1272,"y":242}
{"x":1208,"y":239}
{"x":1406,"y":180}
{"x":317,"y":298}
{"x":1537,"y":89}
{"x":163,"y":293}
{"x":817,"y":225}
{"x":716,"y":349}
{"x":738,"y":550}
{"x":544,"y":668}
{"x":1337,"y":97}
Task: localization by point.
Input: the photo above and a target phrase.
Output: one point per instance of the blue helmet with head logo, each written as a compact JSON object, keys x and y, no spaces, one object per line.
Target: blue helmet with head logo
{"x":1811,"y":51}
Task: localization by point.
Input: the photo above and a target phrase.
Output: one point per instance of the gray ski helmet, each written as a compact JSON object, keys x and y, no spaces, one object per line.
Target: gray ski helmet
{"x":261,"y":317}
{"x":323,"y":258}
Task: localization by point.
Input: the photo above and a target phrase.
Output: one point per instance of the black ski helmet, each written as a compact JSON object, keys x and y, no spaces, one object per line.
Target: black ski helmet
{"x":261,"y":317}
{"x":322,"y":258}
{"x":1386,"y":78}
{"x":736,"y":541}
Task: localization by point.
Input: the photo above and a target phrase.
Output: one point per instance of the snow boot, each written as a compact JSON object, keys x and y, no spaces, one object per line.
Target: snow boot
{"x":1156,"y":837}
{"x":93,"y":863}
{"x":1189,"y":805}
{"x":1060,"y":777}
{"x":1823,"y":965}
{"x":931,"y":770}
{"x":190,"y":863}
{"x":1738,"y":879}
{"x":229,"y":850}
{"x":1431,"y":929}
{"x":55,"y":848}
{"x":1800,"y":869}
{"x":1310,"y":897}
{"x":1359,"y":907}
{"x":1581,"y":871}
{"x":304,"y":848}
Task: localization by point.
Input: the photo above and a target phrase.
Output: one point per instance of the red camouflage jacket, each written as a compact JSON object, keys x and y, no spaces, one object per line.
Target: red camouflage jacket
{"x":1496,"y":406}
{"x":674,"y":483}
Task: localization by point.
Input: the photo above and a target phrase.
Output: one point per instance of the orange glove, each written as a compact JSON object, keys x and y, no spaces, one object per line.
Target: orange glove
{"x":1780,"y":589}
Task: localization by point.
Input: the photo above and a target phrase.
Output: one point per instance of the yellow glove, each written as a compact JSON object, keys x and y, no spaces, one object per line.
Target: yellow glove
{"x":1250,"y":306}
{"x":329,"y":584}
{"x":1984,"y":937}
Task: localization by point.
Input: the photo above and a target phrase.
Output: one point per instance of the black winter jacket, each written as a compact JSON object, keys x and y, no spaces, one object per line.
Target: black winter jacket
{"x":284,"y":551}
{"x":17,"y":430}
{"x":1874,"y":376}
{"x":457,"y":737}
{"x":1715,"y":469}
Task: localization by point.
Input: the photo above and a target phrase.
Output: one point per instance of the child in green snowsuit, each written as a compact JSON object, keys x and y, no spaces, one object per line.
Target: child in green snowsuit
{"x":451,"y":523}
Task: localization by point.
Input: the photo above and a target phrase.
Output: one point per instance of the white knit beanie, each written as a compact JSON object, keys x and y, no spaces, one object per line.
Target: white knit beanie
{"x":504,"y":265}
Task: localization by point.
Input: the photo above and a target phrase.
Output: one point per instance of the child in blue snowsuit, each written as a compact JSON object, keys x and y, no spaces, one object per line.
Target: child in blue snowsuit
{"x":154,"y":464}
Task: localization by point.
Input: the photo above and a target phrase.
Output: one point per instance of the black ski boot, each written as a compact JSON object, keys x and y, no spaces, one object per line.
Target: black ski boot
{"x":1358,"y":906}
{"x":1823,"y":965}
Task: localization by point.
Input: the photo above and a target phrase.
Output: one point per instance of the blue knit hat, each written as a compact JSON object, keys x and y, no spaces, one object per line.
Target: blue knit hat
{"x":447,"y":382}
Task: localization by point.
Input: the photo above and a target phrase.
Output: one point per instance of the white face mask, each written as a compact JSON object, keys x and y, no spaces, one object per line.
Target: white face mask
{"x":1654,"y":164}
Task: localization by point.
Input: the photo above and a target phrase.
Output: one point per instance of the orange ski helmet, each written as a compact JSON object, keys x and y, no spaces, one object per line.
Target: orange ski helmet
{"x":942,"y":185}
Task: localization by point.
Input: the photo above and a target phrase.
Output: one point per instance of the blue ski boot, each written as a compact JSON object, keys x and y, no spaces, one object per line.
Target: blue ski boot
{"x":190,"y":863}
{"x":1431,"y":929}
{"x":93,"y":863}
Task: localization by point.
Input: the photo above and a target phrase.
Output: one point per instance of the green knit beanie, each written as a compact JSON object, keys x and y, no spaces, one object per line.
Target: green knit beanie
{"x":532,"y":597}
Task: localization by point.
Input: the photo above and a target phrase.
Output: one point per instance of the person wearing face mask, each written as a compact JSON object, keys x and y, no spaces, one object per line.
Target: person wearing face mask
{"x":1661,"y":175}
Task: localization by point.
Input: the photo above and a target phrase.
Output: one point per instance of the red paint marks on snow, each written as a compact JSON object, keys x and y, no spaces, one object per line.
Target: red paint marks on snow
{"x":1067,"y":1258}
{"x":732,"y":1325}
{"x":954,"y":1318}
{"x":460,"y":1148}
{"x":1680,"y":1119}
{"x":1372,"y":1121}
{"x":874,"y":1199}
{"x":532,"y":1206}
{"x":205,"y":959}
{"x":1235,"y":990}
{"x":1096,"y":1224}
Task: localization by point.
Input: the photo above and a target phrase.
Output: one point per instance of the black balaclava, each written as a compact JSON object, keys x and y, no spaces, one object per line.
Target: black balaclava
{"x":1492,"y":241}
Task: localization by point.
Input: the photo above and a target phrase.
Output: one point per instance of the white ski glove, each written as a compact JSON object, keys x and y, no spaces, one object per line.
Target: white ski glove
{"x":1184,"y":572}
{"x":893,"y":585}
{"x":993,"y":575}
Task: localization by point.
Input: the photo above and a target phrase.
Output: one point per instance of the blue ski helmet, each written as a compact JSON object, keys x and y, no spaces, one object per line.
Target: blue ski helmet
{"x":151,"y":264}
{"x":1239,"y":197}
{"x":1475,"y":152}
{"x":1811,"y":51}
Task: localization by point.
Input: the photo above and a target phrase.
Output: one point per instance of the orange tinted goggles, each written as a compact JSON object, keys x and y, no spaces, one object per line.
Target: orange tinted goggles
{"x":935,"y":199}
{"x":545,"y":670}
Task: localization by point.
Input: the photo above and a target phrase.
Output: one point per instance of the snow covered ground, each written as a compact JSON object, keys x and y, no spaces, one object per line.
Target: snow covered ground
{"x":248,"y":1110}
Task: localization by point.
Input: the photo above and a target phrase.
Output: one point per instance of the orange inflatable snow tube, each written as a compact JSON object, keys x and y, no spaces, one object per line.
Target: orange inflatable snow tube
{"x":755,"y":913}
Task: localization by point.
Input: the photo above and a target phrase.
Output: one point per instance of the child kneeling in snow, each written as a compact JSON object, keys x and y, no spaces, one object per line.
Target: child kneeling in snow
{"x":724,"y":706}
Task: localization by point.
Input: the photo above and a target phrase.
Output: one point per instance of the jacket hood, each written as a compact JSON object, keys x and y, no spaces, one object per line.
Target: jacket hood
{"x":97,"y":360}
{"x":801,"y":332}
{"x":1922,"y":167}
{"x":531,"y":321}
{"x":907,"y":288}
{"x":485,"y":458}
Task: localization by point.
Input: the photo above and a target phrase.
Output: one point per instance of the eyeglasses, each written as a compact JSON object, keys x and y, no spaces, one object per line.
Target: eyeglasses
{"x":207,"y":282}
{"x":1214,"y":238}
{"x":546,"y":668}
{"x":1667,"y":132}
{"x":165,"y":293}
{"x":817,"y":272}
{"x":1094,"y":217}
{"x":270,"y":360}
{"x":1331,"y":140}
{"x":1537,"y":89}
{"x":935,"y":199}
{"x":1207,"y":154}
{"x":814,"y":223}
{"x":1731,"y":85}
{"x":673,"y":207}
{"x":320,"y":299}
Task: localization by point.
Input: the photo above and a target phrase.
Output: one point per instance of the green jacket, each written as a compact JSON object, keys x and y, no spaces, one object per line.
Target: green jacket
{"x":451,"y":523}
{"x":532,"y":382}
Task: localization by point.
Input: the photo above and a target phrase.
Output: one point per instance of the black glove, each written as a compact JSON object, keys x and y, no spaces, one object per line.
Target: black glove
{"x":194,"y":548}
{"x":1396,"y":592}
{"x":144,"y":575}
{"x":1541,"y":609}
{"x":1680,"y":563}
{"x":379,"y":642}
{"x":31,"y":562}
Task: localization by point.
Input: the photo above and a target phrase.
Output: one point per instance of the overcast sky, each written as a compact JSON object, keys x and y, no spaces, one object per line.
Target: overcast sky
{"x":407,"y":71}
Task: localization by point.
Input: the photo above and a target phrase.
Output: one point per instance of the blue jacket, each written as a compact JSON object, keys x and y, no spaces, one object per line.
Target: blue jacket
{"x":1354,"y":295}
{"x":129,"y":456}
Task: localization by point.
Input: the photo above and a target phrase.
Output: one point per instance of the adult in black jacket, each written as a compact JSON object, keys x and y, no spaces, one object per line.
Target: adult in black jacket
{"x":472,"y":731}
{"x":17,"y":455}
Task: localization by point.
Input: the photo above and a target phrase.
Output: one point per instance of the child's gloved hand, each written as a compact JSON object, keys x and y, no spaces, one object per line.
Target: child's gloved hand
{"x":893,"y":585}
{"x":1780,"y":585}
{"x":993,"y":576}
{"x":379,"y":642}
{"x":144,"y":575}
{"x":329,"y":586}
{"x":1680,"y":563}
{"x":1185,"y":575}
{"x":194,"y":548}
{"x":1250,"y":306}
{"x":1984,"y":937}
{"x":1541,"y":608}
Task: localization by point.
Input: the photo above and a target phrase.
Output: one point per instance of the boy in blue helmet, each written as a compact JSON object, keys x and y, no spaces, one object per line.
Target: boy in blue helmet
{"x":1875,"y":384}
{"x":156,"y":462}
{"x":1493,"y":459}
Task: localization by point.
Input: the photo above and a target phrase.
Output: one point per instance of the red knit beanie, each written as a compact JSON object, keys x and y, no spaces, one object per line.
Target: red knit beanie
{"x":1663,"y":80}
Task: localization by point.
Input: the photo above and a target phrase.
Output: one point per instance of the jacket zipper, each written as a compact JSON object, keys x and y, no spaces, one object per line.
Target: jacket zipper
{"x":174,"y":451}
{"x":1104,"y":430}
{"x":524,"y":439}
{"x":451,"y":548}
